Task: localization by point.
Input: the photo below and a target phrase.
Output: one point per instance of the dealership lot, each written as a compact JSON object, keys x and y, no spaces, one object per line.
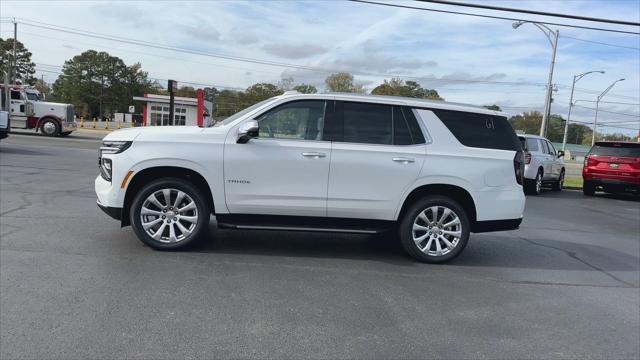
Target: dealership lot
{"x":74,"y":285}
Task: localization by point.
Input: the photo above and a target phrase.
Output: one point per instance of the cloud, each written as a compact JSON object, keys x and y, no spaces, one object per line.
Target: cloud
{"x":293,"y":51}
{"x":383,"y":64}
{"x":203,"y":32}
{"x":244,"y":38}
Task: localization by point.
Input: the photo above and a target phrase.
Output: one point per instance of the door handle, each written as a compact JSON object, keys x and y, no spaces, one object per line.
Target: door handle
{"x":403,"y":160}
{"x":314,"y":155}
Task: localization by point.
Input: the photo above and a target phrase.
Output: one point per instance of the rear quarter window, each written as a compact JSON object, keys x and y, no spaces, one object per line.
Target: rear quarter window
{"x":480,"y":130}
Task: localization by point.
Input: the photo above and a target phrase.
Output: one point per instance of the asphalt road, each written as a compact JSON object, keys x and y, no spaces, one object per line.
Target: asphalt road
{"x":73,"y":284}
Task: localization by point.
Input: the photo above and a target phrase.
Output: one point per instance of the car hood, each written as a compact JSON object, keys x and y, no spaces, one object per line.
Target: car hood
{"x":152,"y":132}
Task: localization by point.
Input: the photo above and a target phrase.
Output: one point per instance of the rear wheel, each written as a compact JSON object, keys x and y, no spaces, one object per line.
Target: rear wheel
{"x":558,"y":185}
{"x":50,"y":128}
{"x":170,"y":214}
{"x":434,"y":230}
{"x":588,"y":188}
{"x":534,"y":187}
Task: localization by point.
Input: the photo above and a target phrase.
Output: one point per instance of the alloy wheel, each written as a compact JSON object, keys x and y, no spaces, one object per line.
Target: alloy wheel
{"x":538,"y":183}
{"x":169,"y":215}
{"x":437,"y":230}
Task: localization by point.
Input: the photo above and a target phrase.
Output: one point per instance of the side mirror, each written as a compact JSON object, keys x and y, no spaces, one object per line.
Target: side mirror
{"x":560,"y":153}
{"x":247,"y":131}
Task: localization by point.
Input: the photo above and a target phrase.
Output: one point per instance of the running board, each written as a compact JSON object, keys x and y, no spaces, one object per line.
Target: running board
{"x":292,"y":228}
{"x":302,"y":223}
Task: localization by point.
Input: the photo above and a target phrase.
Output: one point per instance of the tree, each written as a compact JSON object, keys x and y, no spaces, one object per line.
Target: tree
{"x":286,"y":84}
{"x":493,"y":107}
{"x":305,"y":89}
{"x":398,"y":87}
{"x":343,"y":82}
{"x":529,"y":122}
{"x":97,"y":82}
{"x":24,"y":67}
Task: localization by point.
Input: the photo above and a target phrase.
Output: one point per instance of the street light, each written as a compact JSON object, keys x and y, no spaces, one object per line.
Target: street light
{"x":595,"y":121}
{"x":576,"y":78}
{"x":552,"y":36}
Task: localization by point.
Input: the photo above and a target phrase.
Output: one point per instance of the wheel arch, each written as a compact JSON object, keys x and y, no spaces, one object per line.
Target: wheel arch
{"x":148,"y":174}
{"x":455,"y":192}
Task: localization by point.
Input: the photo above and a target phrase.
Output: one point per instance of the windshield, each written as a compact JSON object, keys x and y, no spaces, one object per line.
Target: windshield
{"x":240,"y":113}
{"x":617,"y":150}
{"x":32,"y":96}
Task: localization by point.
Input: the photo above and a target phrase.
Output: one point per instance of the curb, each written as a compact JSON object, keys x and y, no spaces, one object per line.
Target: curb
{"x":572,"y":188}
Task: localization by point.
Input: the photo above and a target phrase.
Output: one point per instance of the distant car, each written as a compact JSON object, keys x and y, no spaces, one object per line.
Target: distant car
{"x":543,"y":164}
{"x":613,"y":167}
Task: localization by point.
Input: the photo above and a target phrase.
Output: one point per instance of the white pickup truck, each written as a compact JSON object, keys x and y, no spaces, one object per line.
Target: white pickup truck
{"x":429,"y":170}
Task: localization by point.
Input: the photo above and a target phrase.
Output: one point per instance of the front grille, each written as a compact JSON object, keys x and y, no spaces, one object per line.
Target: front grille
{"x":70,"y":114}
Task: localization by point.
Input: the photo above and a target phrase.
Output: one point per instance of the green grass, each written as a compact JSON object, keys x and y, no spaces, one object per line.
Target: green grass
{"x":573,"y":181}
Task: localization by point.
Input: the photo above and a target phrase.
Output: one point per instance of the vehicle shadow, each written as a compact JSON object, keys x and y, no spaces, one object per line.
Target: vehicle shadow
{"x":490,"y":251}
{"x":22,"y":151}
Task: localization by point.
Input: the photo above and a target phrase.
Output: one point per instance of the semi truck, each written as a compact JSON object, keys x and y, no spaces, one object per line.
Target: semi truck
{"x":27,"y":110}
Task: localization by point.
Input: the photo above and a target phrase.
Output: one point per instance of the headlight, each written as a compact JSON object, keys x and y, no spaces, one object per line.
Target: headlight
{"x":114,"y":147}
{"x":105,"y":169}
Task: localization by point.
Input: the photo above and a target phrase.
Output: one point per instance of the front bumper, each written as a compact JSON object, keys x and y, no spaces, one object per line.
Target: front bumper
{"x":69,"y":126}
{"x":115,"y":213}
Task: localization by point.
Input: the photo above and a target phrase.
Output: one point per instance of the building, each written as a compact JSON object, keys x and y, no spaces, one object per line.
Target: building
{"x":187,"y":111}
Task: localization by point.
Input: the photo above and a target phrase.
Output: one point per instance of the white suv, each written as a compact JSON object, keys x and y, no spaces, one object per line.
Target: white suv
{"x":433,"y":171}
{"x":543,"y":164}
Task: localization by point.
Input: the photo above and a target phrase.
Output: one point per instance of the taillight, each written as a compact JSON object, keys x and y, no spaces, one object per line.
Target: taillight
{"x":590,"y":160}
{"x":527,"y":158}
{"x":518,"y":166}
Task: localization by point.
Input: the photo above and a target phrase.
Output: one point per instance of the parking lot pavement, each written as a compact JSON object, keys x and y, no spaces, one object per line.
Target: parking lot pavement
{"x":73,"y":284}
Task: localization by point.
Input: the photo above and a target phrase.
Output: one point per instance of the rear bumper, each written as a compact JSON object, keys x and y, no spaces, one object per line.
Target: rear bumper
{"x":113,"y":212}
{"x":496,"y":225}
{"x":613,"y":183}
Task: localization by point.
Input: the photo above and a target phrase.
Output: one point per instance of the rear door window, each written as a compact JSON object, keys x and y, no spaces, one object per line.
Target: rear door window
{"x":532,"y":145}
{"x":480,"y":130}
{"x":630,"y":149}
{"x":368,"y":123}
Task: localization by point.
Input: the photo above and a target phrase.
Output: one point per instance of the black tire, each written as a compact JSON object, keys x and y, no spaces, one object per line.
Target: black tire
{"x":405,"y":229}
{"x":588,"y":188}
{"x":50,"y":127}
{"x":531,"y":187}
{"x":558,"y":185}
{"x":198,"y":232}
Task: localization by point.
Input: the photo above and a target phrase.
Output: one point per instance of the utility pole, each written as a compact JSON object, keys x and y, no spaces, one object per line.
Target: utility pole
{"x":14,"y":68}
{"x":547,"y":109}
{"x":576,"y":78}
{"x":100,"y":100}
{"x":173,"y":86}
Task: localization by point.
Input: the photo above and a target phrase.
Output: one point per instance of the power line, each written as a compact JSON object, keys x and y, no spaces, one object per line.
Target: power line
{"x":609,"y":102}
{"x":279,"y":64}
{"x":258,"y":61}
{"x":491,"y":16}
{"x":601,"y":43}
{"x":607,"y":111}
{"x":534,"y":12}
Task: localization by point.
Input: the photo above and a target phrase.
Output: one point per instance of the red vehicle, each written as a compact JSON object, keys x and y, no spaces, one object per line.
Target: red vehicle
{"x":613,"y":166}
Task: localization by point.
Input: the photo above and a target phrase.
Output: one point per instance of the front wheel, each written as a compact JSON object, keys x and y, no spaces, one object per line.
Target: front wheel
{"x":558,"y":185}
{"x":434,"y":230}
{"x":169,"y":214}
{"x":50,"y":128}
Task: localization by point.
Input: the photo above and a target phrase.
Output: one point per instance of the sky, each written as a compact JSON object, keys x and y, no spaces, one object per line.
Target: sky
{"x":466,"y":59}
